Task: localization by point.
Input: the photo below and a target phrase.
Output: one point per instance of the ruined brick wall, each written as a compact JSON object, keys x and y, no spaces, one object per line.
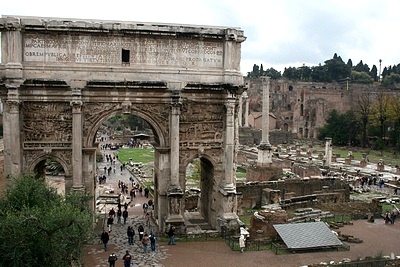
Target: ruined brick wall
{"x":253,"y":195}
{"x":261,"y":224}
{"x":262,"y":173}
{"x":301,"y":107}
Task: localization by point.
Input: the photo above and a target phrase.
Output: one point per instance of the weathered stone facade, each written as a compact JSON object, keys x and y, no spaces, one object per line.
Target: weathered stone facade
{"x":300,"y":108}
{"x":62,"y":78}
{"x":323,"y":190}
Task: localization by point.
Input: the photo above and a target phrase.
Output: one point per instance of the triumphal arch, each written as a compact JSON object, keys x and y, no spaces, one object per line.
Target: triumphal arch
{"x":62,"y":78}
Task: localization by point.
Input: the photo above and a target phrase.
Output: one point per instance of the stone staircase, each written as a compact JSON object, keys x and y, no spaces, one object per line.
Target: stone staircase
{"x":309,"y":214}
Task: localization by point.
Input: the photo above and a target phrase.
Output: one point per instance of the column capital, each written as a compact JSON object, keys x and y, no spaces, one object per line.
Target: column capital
{"x":13,"y":105}
{"x":76,"y":106}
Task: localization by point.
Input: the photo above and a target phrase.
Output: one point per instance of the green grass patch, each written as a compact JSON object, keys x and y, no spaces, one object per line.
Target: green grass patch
{"x":240,"y":173}
{"x":373,"y":155}
{"x":136,"y":154}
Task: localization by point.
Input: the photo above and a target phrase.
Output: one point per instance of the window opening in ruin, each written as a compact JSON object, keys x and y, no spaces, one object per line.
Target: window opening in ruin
{"x":290,"y":88}
{"x":125,"y":56}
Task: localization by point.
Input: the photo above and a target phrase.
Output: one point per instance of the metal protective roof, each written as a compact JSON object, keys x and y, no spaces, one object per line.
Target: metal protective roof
{"x":307,"y":235}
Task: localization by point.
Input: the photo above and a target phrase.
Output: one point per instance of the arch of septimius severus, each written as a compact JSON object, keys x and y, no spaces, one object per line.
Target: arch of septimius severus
{"x":62,"y":78}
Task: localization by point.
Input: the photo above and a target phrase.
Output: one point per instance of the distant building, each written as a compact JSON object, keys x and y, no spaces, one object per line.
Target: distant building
{"x":255,"y":120}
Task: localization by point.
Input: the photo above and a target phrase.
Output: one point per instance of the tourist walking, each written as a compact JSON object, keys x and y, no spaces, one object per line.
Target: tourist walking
{"x":145,"y":242}
{"x":127,"y":258}
{"x":242,"y":243}
{"x":145,"y":207}
{"x":119,"y":213}
{"x":110,"y":222}
{"x":131,"y":235}
{"x":146,"y":192}
{"x":141,"y":232}
{"x":104,"y":238}
{"x":112,"y":259}
{"x":171,"y":235}
{"x":147,"y":218}
{"x":152,"y":238}
{"x":125,"y":215}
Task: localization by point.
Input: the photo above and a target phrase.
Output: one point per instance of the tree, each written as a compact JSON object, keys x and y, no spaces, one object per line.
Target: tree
{"x":261,"y":70}
{"x":38,"y":227}
{"x":319,"y":74}
{"x":349,"y":63}
{"x":337,"y":69}
{"x":391,"y":80}
{"x":342,"y":128}
{"x":273,"y":73}
{"x":361,"y":67}
{"x":374,"y":73}
{"x":361,"y":77}
{"x":291,"y":73}
{"x":363,"y":110}
{"x":380,"y":112}
{"x":255,"y":73}
{"x":394,"y":115}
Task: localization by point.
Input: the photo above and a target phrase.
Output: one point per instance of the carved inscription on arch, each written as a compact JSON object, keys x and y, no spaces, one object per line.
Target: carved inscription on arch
{"x":96,"y":49}
{"x":46,"y":122}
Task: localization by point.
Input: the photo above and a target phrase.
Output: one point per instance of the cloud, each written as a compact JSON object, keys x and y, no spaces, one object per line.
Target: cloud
{"x":279,"y":34}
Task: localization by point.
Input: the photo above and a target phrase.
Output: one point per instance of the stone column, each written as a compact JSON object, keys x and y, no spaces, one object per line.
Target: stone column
{"x":89,"y":173}
{"x":11,"y":57}
{"x":328,"y":151}
{"x":265,"y":149}
{"x":246,"y":110}
{"x":175,"y":193}
{"x":229,"y":146}
{"x":12,"y":139}
{"x":77,"y":181}
{"x":240,"y":112}
{"x":228,"y":216}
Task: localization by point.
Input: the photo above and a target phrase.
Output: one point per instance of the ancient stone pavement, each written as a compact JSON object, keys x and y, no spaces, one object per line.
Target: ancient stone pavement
{"x":118,"y":237}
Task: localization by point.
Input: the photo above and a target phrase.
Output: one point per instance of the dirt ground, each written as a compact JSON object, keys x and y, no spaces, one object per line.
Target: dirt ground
{"x":379,"y":239}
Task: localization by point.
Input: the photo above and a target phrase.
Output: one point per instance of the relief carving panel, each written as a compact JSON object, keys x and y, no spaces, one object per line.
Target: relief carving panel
{"x":44,"y":122}
{"x":201,"y":125}
{"x":93,"y":112}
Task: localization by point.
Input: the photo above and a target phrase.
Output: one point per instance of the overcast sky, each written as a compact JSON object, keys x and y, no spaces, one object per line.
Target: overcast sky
{"x":280,"y":33}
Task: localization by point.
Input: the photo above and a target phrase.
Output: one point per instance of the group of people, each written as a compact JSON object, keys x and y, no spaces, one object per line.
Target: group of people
{"x":127,"y":258}
{"x":390,"y":217}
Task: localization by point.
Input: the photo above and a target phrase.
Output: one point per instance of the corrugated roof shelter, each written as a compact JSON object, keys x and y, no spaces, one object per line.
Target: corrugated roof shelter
{"x":312,"y":235}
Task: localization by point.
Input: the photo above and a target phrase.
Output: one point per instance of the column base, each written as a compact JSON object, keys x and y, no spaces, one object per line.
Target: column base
{"x":264,"y":155}
{"x":228,"y":189}
{"x":78,"y":188}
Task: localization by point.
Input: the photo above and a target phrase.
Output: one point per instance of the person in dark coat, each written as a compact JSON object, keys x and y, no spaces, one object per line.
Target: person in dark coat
{"x":125,"y":215}
{"x":112,"y":259}
{"x":141,"y":232}
{"x":131,"y":235}
{"x":104,"y":238}
{"x":171,"y":235}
